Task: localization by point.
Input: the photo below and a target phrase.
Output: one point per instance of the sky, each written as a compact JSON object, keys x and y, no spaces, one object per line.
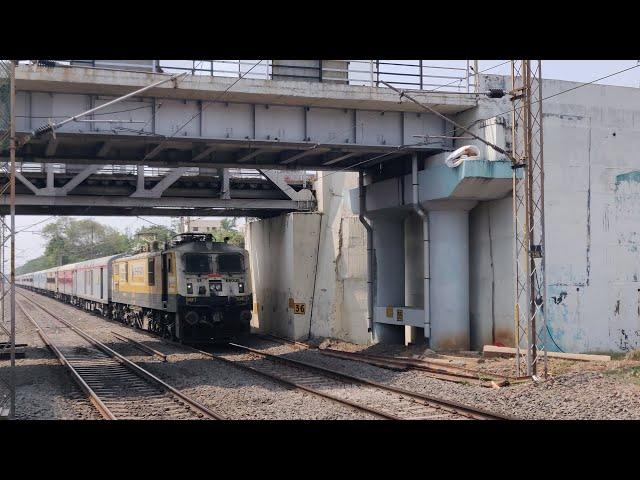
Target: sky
{"x":30,"y":244}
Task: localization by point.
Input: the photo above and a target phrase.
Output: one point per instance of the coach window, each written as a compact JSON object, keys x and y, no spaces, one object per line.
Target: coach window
{"x":152,"y":271}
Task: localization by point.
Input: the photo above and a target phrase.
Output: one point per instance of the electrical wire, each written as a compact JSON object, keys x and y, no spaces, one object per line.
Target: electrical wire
{"x":469,"y":76}
{"x":34,"y":224}
{"x":149,"y":221}
{"x":363,"y":123}
{"x":452,"y":132}
{"x":94,"y":114}
{"x":201,"y":111}
{"x":401,"y":148}
{"x":217,"y":99}
{"x":551,"y":337}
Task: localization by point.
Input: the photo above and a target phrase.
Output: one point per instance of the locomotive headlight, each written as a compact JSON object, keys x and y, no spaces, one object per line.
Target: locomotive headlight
{"x":218,"y":286}
{"x":190,"y":288}
{"x":240,"y":287}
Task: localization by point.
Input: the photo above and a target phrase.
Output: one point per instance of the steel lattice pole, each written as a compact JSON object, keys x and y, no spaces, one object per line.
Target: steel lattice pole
{"x":528,"y":216}
{"x":12,"y":206}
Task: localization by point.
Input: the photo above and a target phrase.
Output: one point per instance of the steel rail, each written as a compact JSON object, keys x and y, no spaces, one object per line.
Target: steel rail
{"x":448,"y":405}
{"x":425,"y":364}
{"x":371,"y":410}
{"x":93,"y":397}
{"x":141,"y":346}
{"x":284,"y":341}
{"x":121,"y":359}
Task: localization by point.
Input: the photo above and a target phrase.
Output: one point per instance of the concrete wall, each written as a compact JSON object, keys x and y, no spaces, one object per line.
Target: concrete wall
{"x":491,"y":273}
{"x":592,"y":203}
{"x":340,"y":301}
{"x":283,"y":252}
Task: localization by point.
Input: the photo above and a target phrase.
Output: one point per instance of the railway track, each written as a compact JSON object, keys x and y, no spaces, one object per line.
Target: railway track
{"x":117,"y":387}
{"x":380,"y":400}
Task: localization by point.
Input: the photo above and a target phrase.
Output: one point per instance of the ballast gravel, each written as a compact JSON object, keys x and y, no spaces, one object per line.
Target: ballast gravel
{"x":225,"y":389}
{"x":586,"y":391}
{"x":44,"y":389}
{"x":576,"y":390}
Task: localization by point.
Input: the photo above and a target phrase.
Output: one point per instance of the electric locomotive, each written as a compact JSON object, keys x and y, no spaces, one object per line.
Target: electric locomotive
{"x":194,"y":290}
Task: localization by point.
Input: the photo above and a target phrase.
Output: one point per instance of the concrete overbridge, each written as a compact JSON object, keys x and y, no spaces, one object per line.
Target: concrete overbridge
{"x":417,"y":245}
{"x":197,"y":128}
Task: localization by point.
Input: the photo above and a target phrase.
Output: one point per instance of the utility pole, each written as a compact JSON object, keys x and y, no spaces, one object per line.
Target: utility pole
{"x":528,"y":217}
{"x":12,"y":209}
{"x":2,"y":278}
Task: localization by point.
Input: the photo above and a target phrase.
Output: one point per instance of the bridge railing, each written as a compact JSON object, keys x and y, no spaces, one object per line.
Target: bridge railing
{"x":445,"y":76}
{"x":305,"y":177}
{"x":424,"y":75}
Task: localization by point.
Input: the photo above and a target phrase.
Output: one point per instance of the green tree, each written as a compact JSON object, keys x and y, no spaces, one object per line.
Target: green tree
{"x":39,"y":263}
{"x":70,"y":240}
{"x":228,"y":229}
{"x":228,"y":223}
{"x":149,"y":233}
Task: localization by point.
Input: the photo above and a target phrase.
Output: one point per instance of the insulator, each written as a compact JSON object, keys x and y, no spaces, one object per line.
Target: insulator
{"x":41,"y":130}
{"x":495,"y":93}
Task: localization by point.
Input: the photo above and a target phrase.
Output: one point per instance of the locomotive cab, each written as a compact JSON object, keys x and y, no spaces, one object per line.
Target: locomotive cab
{"x":214,"y":295}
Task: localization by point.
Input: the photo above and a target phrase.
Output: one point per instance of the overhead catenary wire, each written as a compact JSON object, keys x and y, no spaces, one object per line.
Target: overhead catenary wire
{"x":165,"y":139}
{"x":401,"y":148}
{"x":452,"y":132}
{"x":363,"y":123}
{"x":403,"y":93}
{"x":469,"y":76}
{"x":230,"y":86}
{"x":152,"y":223}
{"x":201,"y":111}
{"x":51,"y":127}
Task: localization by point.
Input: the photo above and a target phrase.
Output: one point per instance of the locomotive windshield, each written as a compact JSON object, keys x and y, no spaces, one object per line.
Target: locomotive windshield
{"x":204,"y":263}
{"x":197,"y":263}
{"x":230,"y":263}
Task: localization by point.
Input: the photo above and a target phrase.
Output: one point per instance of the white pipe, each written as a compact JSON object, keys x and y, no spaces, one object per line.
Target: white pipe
{"x":425,"y":237}
{"x":363,"y":219}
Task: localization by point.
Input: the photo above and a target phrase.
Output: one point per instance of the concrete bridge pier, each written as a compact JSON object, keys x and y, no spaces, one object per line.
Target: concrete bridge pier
{"x":414,"y":273}
{"x":389,"y":273}
{"x":449,"y":258}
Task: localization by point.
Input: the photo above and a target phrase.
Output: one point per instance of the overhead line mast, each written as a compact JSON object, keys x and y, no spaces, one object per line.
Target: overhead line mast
{"x":528,"y":217}
{"x":7,"y":124}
